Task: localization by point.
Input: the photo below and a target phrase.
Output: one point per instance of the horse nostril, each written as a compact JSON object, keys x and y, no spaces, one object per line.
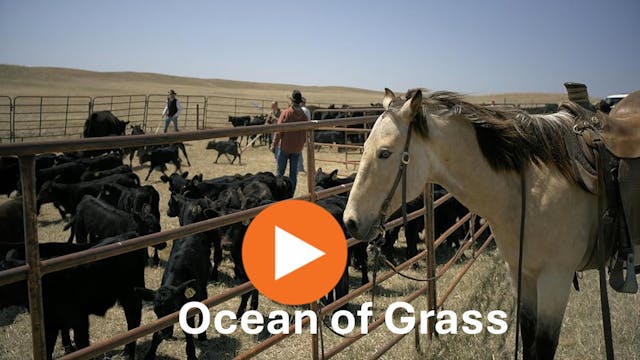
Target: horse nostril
{"x":352,"y":226}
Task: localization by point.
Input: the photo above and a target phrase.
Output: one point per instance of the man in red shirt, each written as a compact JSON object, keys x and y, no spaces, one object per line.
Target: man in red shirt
{"x":290,"y":144}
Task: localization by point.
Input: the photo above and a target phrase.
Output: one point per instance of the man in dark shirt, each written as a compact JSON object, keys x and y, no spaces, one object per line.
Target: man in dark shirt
{"x":290,"y":143}
{"x":171,"y":111}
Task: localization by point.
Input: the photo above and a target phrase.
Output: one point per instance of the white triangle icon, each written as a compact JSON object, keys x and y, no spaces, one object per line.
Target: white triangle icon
{"x":292,"y":253}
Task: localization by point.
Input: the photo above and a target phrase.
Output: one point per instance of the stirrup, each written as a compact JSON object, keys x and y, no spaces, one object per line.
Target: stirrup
{"x":627,"y":284}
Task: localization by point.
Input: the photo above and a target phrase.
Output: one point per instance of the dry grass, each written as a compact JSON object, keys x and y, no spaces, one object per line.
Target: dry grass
{"x":485,"y":288}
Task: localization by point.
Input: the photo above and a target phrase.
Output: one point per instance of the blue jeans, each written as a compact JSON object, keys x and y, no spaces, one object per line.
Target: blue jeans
{"x":170,"y":119}
{"x":282,"y":157}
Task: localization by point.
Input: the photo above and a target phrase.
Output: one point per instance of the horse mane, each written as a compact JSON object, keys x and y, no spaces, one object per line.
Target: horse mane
{"x":509,"y":138}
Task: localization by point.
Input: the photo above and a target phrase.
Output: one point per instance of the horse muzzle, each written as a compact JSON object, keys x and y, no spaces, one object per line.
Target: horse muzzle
{"x":362,"y":232}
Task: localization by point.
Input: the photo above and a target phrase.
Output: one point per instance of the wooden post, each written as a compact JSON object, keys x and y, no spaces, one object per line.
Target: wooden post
{"x":429,"y":238}
{"x":32,"y":255}
{"x":314,"y":337}
{"x":311,"y":166}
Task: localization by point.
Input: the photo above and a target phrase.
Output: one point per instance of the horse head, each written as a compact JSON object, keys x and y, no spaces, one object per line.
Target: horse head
{"x":373,"y":196}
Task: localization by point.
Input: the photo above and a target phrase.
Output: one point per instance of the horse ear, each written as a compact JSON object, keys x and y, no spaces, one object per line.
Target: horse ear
{"x":388,"y":98}
{"x":412,"y":106}
{"x":416,"y":102}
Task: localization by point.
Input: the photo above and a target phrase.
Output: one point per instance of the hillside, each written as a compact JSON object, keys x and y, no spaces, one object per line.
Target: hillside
{"x":46,"y":81}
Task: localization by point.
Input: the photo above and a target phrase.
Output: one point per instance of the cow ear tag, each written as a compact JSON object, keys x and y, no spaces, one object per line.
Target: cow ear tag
{"x":189,"y":292}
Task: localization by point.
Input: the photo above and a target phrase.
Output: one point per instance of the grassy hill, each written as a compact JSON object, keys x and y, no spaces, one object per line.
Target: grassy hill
{"x":46,"y":81}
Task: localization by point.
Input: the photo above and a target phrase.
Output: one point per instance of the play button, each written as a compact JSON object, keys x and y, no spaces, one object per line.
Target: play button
{"x":294,"y":252}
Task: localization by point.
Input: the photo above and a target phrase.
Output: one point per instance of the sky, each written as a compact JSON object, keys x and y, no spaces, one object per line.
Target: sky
{"x":470,"y":46}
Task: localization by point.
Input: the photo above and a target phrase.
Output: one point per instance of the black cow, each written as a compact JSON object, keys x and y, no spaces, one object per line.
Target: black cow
{"x":176,"y":181}
{"x":135,"y":130}
{"x":325,"y":180}
{"x":411,"y":233}
{"x":226,"y":147}
{"x":232,"y":238}
{"x":103,"y":123}
{"x":95,"y":219}
{"x":445,"y":216}
{"x":196,"y":187}
{"x":131,"y":199}
{"x":231,"y":197}
{"x":160,"y":156}
{"x":14,"y":255}
{"x":66,"y":173}
{"x":280,"y":186}
{"x":102,"y":162}
{"x":183,"y":207}
{"x":98,"y":174}
{"x":71,"y":295}
{"x":335,"y":206}
{"x":11,"y":221}
{"x":254,"y":193}
{"x":259,"y":120}
{"x":65,"y":197}
{"x":10,"y":170}
{"x":237,"y":121}
{"x":321,"y":137}
{"x":184,"y":279}
{"x":134,"y":200}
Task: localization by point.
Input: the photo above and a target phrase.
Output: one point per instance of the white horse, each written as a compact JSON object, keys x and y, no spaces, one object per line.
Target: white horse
{"x":481,"y":155}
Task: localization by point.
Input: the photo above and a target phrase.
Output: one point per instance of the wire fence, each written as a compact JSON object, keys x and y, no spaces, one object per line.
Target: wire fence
{"x":25,"y":118}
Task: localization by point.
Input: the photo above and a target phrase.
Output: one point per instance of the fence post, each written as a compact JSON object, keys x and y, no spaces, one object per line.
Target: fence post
{"x":129,"y":109}
{"x":311,"y":166}
{"x":197,"y":116}
{"x":429,"y":238}
{"x":66,"y":116}
{"x":145,"y":114}
{"x":12,"y":120}
{"x":204,"y":112}
{"x":40,"y":122}
{"x":32,"y":255}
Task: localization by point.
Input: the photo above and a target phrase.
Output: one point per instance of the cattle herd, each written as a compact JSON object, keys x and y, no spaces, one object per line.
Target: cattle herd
{"x":102,"y":201}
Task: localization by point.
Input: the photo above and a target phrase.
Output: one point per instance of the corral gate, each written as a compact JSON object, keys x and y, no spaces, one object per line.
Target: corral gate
{"x":35,"y":268}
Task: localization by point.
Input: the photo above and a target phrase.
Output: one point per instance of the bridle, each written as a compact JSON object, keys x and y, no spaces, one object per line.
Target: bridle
{"x":401,"y":176}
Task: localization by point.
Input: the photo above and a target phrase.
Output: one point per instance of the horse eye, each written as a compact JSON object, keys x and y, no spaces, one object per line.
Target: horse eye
{"x":383,"y":154}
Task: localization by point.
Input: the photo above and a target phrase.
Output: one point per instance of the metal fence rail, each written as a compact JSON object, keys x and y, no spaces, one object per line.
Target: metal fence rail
{"x":6,"y":122}
{"x":132,"y":108}
{"x":35,"y":268}
{"x":49,"y":116}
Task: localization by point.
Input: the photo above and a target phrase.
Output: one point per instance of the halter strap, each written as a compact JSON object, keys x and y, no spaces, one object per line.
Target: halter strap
{"x":400,"y":176}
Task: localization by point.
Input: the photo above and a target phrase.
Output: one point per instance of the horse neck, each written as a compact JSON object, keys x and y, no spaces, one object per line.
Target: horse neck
{"x":455,"y":161}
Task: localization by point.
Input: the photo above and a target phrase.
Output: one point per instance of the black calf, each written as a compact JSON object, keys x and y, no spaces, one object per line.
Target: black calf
{"x":158,"y":157}
{"x":226,"y":147}
{"x":96,"y":219}
{"x":184,"y":279}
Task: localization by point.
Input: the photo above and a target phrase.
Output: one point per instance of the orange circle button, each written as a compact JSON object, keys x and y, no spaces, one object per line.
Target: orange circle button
{"x":294,"y":252}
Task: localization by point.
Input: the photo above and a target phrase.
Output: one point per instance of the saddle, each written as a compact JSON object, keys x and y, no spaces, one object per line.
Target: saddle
{"x":605,"y":155}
